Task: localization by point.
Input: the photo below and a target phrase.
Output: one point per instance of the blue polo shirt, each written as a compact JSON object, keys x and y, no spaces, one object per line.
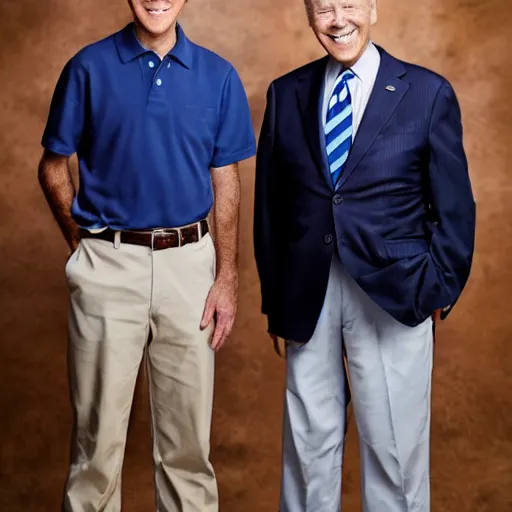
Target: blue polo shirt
{"x":147,"y":131}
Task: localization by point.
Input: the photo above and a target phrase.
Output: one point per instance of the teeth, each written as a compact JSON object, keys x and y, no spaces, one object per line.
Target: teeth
{"x":157,"y":11}
{"x":343,"y":39}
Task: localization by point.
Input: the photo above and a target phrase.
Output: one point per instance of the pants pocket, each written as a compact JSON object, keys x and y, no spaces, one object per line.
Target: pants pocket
{"x":72,"y":259}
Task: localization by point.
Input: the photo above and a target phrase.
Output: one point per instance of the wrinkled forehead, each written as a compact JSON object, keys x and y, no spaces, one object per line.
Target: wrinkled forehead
{"x":321,"y":4}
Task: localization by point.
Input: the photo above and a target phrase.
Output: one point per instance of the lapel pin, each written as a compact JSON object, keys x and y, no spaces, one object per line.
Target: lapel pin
{"x":390,"y":88}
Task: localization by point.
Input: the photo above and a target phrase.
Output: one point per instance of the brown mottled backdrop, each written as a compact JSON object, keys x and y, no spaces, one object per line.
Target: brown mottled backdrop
{"x":466,"y":40}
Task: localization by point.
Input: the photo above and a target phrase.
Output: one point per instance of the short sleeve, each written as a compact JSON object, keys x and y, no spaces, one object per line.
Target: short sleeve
{"x":235,"y":139}
{"x":66,"y":117}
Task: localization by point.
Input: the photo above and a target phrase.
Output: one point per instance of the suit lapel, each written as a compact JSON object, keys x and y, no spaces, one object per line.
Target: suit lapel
{"x":310,"y":93}
{"x":381,"y":105}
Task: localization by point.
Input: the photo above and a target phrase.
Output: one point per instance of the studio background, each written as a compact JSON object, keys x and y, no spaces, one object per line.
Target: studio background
{"x":468,"y":41}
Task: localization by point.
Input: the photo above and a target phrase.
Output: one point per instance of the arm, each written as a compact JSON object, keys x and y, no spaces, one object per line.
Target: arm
{"x":55,"y":180}
{"x":266,"y":213}
{"x":452,"y":203}
{"x":226,"y":188}
{"x":234,"y":142}
{"x":61,"y":138}
{"x":222,"y":300}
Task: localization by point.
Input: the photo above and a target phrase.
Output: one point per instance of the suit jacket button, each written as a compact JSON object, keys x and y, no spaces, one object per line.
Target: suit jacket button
{"x":328,"y":239}
{"x":337,"y":199}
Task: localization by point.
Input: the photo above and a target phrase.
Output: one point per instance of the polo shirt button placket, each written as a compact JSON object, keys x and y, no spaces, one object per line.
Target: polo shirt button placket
{"x":156,"y":81}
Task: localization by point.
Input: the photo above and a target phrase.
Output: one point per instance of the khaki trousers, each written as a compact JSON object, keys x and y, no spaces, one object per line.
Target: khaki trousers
{"x":120,"y":298}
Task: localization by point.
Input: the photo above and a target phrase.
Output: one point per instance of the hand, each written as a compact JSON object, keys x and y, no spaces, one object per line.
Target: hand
{"x":72,"y":237}
{"x":275,"y":340}
{"x":436,"y":315}
{"x":221,"y":304}
{"x":73,"y":245}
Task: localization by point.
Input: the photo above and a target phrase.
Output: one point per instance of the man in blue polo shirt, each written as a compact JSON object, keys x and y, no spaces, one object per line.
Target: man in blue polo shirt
{"x":159,"y":125}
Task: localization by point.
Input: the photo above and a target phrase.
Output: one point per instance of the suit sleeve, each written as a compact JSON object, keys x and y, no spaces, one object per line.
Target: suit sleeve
{"x":451,"y":197}
{"x":266,"y":207}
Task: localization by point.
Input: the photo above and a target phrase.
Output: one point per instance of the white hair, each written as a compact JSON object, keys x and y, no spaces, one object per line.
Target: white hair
{"x":309,"y":8}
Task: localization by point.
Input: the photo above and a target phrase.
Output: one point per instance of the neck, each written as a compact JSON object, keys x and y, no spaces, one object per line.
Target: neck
{"x":161,"y":44}
{"x":348,"y":65}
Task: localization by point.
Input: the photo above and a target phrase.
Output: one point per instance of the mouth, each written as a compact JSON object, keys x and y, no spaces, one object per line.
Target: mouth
{"x":343,"y":38}
{"x":157,"y":12}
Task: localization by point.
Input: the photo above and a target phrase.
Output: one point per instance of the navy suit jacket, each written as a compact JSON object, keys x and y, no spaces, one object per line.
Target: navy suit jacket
{"x":402,"y":217}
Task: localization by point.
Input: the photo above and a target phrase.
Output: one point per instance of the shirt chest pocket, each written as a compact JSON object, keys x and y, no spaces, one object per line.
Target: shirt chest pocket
{"x":196,"y":124}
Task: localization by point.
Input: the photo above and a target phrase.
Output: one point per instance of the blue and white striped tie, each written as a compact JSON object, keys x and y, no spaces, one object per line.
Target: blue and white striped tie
{"x":338,"y":128}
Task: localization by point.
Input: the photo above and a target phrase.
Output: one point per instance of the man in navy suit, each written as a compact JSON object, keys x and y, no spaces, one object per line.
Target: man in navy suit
{"x":364,"y":231}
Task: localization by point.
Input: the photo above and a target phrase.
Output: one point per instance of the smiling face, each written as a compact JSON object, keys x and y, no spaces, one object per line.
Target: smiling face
{"x":342,"y":26}
{"x":156,"y":17}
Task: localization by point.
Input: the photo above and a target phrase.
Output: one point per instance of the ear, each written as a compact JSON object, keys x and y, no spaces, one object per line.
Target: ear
{"x":373,"y":14}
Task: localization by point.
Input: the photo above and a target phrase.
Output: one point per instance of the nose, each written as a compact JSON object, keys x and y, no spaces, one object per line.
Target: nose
{"x":340,"y":19}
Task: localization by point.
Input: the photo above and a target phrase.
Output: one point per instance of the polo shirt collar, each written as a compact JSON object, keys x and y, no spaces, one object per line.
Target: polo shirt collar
{"x":182,"y":50}
{"x":129,"y":47}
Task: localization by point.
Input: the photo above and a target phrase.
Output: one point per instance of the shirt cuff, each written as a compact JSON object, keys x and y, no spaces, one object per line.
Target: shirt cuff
{"x":233,"y":158}
{"x":54,"y":146}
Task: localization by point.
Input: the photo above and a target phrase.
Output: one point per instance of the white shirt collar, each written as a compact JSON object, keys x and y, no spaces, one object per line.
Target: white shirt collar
{"x":364,"y":68}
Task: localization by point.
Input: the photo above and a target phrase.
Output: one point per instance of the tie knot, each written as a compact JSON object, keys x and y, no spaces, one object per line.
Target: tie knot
{"x":347,"y":75}
{"x":343,"y":78}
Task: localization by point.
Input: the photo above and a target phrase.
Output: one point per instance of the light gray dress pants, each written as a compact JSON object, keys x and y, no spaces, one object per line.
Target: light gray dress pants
{"x":390,"y":367}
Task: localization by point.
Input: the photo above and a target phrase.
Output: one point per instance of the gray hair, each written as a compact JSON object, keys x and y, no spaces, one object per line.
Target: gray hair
{"x":309,"y":10}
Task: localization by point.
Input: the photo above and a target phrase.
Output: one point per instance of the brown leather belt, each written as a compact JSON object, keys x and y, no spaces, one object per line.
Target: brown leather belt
{"x":156,"y":238}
